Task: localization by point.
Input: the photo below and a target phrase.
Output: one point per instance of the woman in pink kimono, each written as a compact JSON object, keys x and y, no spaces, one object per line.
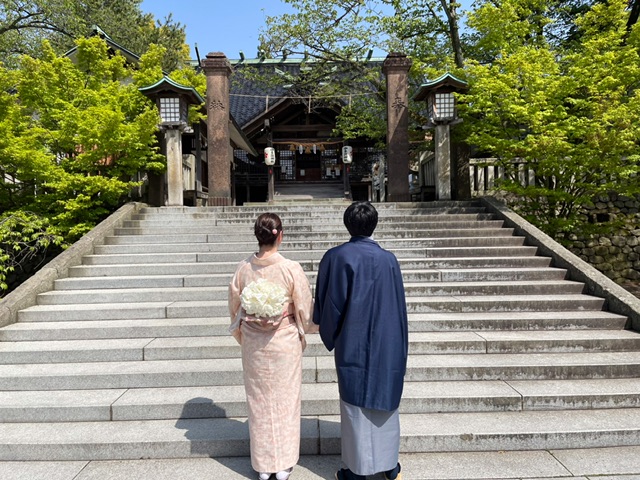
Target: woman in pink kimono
{"x":271,"y":306}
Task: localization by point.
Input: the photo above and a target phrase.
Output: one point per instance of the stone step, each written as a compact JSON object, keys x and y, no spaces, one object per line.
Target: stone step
{"x":183,"y":294}
{"x":560,"y":341}
{"x":126,"y":295}
{"x":116,"y":329}
{"x":222,"y":279}
{"x":436,"y":208}
{"x":311,"y":240}
{"x":317,"y":399}
{"x":208,"y":347}
{"x":228,"y":437}
{"x":318,"y":224}
{"x":74,"y":351}
{"x":306,"y":255}
{"x":417,"y":397}
{"x":219,"y":308}
{"x":421,"y":224}
{"x":455,"y":206}
{"x":228,"y":244}
{"x":335,"y":221}
{"x":431,"y":228}
{"x":203,"y":268}
{"x":487,"y":250}
{"x":218,"y":326}
{"x":228,"y":371}
{"x":428,"y":224}
{"x":195,"y":232}
{"x":610,"y":463}
{"x":338,"y":211}
{"x":502,"y":303}
{"x":516,"y":321}
{"x":423,"y":343}
{"x":425,"y":209}
{"x":335,"y":215}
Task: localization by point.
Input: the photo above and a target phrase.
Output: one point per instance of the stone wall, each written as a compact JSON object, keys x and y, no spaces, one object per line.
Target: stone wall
{"x":616,"y":254}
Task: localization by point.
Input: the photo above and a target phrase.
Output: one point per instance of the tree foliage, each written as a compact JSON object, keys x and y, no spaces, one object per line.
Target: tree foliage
{"x":570,"y":114}
{"x":336,"y":39}
{"x":25,"y":23}
{"x":553,"y":84}
{"x":25,"y":243}
{"x":73,"y":139}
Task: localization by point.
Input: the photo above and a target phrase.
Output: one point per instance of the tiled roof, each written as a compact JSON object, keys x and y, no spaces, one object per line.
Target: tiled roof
{"x":249,"y":98}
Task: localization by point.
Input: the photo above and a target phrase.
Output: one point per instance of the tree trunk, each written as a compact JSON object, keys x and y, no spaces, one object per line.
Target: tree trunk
{"x":634,"y":6}
{"x":454,"y":32}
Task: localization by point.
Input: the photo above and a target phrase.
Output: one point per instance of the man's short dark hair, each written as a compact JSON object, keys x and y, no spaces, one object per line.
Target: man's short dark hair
{"x":361,"y":219}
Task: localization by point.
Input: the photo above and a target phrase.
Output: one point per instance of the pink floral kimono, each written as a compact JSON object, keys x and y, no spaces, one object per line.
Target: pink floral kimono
{"x":272,"y":359}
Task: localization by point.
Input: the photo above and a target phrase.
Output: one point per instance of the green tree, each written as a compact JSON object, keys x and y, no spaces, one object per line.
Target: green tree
{"x":571,"y":115}
{"x":25,"y":243}
{"x":336,"y":38}
{"x":74,"y":141}
{"x":78,"y":134}
{"x":25,"y":23}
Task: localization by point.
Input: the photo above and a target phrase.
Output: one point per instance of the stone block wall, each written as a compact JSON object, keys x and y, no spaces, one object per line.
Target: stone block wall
{"x":616,"y":254}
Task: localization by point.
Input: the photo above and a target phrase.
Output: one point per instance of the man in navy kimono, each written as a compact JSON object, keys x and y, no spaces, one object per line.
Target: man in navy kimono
{"x":361,"y":310}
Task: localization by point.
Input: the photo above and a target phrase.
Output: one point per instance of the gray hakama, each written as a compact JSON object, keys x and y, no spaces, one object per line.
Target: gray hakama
{"x":370,"y":439}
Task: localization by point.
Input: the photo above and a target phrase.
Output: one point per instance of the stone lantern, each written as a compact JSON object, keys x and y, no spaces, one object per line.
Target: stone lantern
{"x":347,"y":159}
{"x":173,"y":101}
{"x":441,"y":106}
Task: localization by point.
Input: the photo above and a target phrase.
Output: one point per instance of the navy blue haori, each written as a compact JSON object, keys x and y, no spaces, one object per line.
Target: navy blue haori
{"x":361,"y":310}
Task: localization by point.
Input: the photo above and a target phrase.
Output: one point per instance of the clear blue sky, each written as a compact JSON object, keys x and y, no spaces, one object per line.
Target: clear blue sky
{"x":226,"y":26}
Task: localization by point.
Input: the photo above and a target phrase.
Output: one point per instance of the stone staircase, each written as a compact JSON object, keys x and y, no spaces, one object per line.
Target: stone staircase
{"x":129,"y":357}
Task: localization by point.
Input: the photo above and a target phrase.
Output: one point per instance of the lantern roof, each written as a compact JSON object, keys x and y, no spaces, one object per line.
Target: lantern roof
{"x":165,"y":84}
{"x":446,"y":82}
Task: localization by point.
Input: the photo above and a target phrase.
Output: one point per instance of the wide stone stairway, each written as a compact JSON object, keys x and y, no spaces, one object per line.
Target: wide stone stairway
{"x":130,"y":357}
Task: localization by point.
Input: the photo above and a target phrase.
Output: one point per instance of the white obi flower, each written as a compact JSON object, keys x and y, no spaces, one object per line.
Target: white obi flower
{"x":263,"y":298}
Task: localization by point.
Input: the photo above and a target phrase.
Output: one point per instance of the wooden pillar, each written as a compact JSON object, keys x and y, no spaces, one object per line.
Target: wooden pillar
{"x":218,"y":70}
{"x":396,"y":67}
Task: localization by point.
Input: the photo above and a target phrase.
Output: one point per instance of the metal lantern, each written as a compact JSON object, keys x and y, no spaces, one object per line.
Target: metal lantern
{"x":347,"y":154}
{"x":270,"y":156}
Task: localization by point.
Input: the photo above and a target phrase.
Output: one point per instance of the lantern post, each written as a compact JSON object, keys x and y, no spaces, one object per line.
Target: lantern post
{"x":347,"y":159}
{"x":441,"y":107}
{"x":173,"y":100}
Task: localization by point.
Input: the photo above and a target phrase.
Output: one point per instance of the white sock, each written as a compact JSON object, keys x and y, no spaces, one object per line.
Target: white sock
{"x":264,"y":476}
{"x":283,"y":475}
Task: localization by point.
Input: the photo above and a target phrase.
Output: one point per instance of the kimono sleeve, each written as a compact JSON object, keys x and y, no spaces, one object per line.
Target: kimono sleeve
{"x":235,"y":289}
{"x":329,"y":303}
{"x":302,"y":298}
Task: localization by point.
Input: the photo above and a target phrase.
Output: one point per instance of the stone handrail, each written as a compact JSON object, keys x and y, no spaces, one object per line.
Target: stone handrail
{"x":618,"y":300}
{"x":43,"y":281}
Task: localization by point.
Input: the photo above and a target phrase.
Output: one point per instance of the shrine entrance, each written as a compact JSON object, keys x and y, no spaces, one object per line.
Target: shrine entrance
{"x":308,"y":162}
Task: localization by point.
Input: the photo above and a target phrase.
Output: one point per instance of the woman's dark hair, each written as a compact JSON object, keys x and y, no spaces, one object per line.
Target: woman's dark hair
{"x":361,"y":219}
{"x":265,"y":226}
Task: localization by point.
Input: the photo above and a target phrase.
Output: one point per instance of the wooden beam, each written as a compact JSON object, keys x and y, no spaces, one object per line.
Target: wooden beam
{"x":301,"y":128}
